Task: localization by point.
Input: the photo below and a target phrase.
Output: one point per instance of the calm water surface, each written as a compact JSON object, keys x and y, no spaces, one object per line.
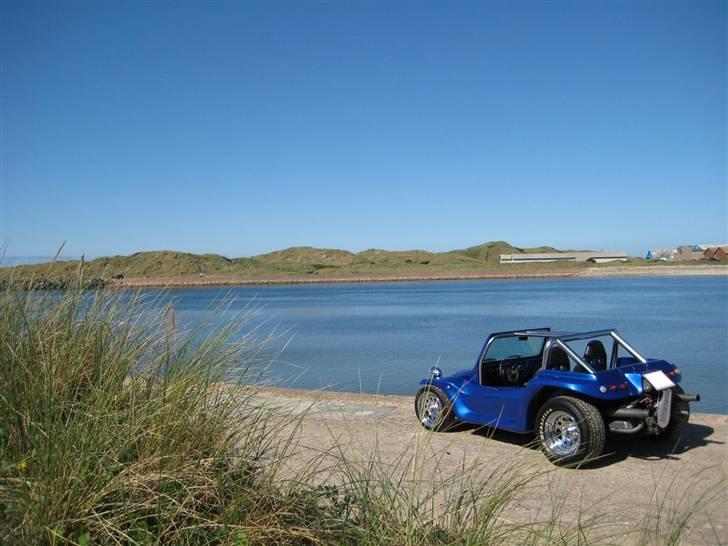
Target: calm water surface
{"x":384,"y":337}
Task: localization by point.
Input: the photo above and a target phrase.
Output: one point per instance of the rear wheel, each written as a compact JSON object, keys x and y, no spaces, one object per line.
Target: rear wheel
{"x":570,"y":430}
{"x":433,"y":409}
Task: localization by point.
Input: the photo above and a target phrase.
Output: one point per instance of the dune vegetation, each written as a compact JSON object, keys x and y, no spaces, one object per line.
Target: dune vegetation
{"x":308,"y":264}
{"x":297,"y":261}
{"x":116,"y":428}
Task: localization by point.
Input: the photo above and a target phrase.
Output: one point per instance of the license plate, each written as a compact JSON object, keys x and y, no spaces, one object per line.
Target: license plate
{"x":659,"y":380}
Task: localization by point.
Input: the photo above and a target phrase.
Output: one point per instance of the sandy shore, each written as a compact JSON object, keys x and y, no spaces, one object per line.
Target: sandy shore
{"x":635,"y":478}
{"x":591,"y":272}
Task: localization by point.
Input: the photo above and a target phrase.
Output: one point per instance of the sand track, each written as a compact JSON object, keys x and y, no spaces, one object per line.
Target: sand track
{"x":626,"y":483}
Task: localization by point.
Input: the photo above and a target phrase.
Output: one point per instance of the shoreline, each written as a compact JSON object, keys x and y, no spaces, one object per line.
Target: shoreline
{"x":589,"y":272}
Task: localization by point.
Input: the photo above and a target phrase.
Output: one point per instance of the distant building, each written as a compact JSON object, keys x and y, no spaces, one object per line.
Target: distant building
{"x":661,"y":254}
{"x":593,"y":257}
{"x":712,"y":245}
{"x":716,"y":253}
{"x":689,"y":252}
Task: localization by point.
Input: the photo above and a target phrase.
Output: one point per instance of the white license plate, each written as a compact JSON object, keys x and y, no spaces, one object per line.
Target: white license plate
{"x":659,"y":380}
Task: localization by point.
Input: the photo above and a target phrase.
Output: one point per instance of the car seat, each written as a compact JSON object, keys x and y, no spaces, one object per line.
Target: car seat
{"x":595,"y":355}
{"x":559,"y":360}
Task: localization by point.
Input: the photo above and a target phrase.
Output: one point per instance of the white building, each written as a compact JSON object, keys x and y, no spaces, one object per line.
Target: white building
{"x":588,"y":256}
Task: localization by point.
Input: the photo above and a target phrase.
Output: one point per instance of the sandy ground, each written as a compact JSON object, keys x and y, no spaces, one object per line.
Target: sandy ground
{"x":610,"y":271}
{"x":635,"y":479}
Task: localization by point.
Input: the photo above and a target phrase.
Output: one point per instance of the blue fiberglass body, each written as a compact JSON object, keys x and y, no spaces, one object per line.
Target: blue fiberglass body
{"x":514,"y":408}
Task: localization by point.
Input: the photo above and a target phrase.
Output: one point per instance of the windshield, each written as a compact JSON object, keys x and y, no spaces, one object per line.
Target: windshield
{"x":502,"y":348}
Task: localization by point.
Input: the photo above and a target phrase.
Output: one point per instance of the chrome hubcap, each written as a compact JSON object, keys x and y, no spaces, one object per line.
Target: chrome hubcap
{"x":561,"y":433}
{"x":430,"y":408}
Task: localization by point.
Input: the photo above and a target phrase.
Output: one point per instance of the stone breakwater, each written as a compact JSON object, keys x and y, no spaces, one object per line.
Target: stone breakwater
{"x":657,"y":270}
{"x":591,"y":272}
{"x":510,"y":273}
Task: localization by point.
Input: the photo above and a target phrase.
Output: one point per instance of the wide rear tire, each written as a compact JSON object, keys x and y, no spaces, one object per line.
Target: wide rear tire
{"x":433,"y":409}
{"x":570,"y":430}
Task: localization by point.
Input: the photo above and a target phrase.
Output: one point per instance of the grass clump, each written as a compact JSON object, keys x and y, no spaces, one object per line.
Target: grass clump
{"x":114,"y":427}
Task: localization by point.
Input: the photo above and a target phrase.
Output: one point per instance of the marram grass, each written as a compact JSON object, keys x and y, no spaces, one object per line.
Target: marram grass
{"x":115,"y":428}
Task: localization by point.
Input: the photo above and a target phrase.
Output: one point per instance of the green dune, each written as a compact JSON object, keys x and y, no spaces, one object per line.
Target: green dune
{"x":294,"y":261}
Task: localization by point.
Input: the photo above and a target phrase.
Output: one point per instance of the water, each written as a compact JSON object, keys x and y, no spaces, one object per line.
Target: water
{"x":384,"y":337}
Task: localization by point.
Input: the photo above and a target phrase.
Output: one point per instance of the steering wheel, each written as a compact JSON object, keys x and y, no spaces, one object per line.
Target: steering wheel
{"x":510,"y":371}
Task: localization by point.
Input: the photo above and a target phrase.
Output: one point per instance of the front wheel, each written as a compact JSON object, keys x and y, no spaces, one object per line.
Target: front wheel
{"x":433,"y":409}
{"x":570,"y":430}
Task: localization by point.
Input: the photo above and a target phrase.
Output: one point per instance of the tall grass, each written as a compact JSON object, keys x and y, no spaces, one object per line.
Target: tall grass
{"x":116,"y":428}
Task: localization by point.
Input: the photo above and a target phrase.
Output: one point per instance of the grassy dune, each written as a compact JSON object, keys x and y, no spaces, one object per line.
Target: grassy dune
{"x":306,"y":264}
{"x":292,"y":262}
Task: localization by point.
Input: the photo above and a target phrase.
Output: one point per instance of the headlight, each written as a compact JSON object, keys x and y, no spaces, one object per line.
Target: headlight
{"x":646,"y":386}
{"x":435,"y":372}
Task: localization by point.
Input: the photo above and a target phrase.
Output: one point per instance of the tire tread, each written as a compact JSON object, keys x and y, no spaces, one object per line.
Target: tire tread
{"x":594,"y":422}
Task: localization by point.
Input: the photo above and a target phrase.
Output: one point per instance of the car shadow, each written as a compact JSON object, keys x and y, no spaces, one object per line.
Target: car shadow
{"x":523,"y":440}
{"x":622,"y":447}
{"x":618,"y":447}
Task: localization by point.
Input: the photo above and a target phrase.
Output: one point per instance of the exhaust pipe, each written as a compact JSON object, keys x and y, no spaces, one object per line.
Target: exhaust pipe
{"x":625,"y":427}
{"x":630,"y":413}
{"x":640,"y":413}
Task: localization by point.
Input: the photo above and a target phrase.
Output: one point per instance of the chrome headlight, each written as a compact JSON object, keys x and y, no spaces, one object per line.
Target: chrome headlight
{"x":435,"y":373}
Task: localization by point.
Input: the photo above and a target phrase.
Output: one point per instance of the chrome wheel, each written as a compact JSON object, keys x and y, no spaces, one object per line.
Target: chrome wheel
{"x":561,"y":433}
{"x":430,"y":409}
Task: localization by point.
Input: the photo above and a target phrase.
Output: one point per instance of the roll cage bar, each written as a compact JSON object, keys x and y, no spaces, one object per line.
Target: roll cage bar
{"x":560,"y":339}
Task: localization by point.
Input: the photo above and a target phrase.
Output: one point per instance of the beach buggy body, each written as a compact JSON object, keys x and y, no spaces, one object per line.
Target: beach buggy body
{"x":569,"y":388}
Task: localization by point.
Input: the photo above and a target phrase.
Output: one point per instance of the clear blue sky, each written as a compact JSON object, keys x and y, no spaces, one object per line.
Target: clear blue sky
{"x":240,"y":128}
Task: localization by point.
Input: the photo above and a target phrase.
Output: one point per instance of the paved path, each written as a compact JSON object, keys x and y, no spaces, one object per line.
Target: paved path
{"x":635,"y":478}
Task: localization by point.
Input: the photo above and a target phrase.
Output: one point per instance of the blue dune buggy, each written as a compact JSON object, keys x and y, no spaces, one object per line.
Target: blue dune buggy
{"x":570,"y":388}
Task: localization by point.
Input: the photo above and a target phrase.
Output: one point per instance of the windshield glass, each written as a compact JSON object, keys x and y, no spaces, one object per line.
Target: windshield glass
{"x":514,"y":347}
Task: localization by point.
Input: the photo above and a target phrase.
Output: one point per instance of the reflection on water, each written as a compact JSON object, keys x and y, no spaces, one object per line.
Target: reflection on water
{"x":383,"y":337}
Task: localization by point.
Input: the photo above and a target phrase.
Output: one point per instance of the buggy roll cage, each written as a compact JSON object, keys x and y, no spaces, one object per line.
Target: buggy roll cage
{"x":560,"y":339}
